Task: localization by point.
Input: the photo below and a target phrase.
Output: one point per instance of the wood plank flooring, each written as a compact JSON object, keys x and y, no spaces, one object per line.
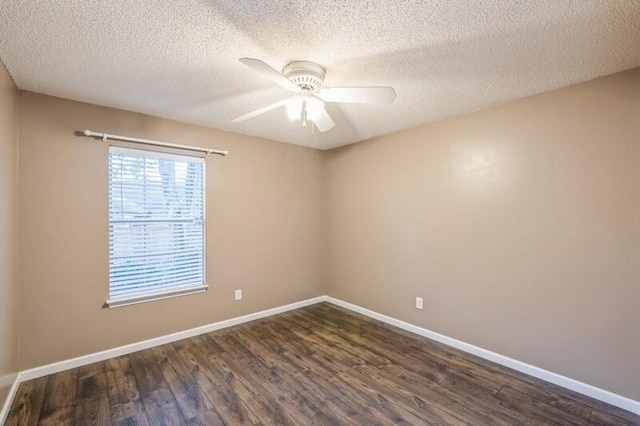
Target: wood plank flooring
{"x":316,"y":365}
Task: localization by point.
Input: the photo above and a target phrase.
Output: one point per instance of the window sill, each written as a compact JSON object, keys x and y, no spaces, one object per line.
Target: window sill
{"x":150,"y":297}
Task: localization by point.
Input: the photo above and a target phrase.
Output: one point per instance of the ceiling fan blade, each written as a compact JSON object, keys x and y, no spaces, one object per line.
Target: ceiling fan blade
{"x":324,"y":122}
{"x":269,"y":72}
{"x":260,"y":111}
{"x":360,"y":95}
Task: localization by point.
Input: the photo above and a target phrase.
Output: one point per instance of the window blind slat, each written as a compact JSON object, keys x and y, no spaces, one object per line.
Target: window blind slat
{"x":151,"y":267}
{"x":157,"y":282}
{"x":160,"y":280}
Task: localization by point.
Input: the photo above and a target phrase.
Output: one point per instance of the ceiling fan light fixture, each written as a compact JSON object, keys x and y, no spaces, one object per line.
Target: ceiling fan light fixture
{"x":314,"y":107}
{"x":294,"y":108}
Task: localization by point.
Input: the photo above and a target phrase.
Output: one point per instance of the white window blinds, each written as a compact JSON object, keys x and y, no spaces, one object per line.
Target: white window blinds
{"x":156,"y":225}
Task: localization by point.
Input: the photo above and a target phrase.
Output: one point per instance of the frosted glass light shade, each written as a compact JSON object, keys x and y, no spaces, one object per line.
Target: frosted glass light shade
{"x":315,"y":107}
{"x":294,"y":108}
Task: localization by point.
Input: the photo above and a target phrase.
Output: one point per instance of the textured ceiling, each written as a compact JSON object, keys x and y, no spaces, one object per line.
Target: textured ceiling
{"x":179,"y":59}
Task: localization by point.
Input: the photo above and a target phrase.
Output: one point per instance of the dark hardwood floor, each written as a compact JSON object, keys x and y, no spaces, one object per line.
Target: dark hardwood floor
{"x":316,"y":365}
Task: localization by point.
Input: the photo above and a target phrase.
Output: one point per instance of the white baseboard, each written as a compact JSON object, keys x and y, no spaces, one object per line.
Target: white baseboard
{"x":12,"y":393}
{"x":56,"y":367}
{"x":566,"y":382}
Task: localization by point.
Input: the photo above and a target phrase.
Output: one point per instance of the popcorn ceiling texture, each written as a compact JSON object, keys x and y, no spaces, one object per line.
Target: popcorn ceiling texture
{"x":179,"y":59}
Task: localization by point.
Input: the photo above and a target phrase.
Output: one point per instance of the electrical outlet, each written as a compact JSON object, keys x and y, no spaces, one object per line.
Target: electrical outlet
{"x":418,"y":302}
{"x":238,"y":294}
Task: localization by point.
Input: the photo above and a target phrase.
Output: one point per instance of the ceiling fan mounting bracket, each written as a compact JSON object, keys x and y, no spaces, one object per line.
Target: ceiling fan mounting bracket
{"x":306,"y":75}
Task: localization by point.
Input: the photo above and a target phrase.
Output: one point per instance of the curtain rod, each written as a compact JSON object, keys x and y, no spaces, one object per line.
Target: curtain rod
{"x":105,"y":136}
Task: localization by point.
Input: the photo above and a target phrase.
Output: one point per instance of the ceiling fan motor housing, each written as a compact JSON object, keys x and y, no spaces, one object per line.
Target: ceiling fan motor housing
{"x":305,"y":74}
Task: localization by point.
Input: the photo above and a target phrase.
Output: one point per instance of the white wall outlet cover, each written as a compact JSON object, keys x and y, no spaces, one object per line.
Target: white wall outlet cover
{"x":419,"y":302}
{"x":238,"y":295}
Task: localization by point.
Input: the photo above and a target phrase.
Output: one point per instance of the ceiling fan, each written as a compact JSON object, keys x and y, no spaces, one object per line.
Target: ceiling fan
{"x":305,"y":79}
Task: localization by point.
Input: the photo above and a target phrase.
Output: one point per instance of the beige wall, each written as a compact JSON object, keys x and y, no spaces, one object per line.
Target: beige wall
{"x":264,"y":231}
{"x":8,"y":232}
{"x":518,"y":225}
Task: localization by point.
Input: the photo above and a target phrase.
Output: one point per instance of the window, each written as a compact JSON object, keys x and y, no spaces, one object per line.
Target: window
{"x":156,"y":225}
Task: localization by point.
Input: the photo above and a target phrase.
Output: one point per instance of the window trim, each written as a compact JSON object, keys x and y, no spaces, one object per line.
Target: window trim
{"x":177,"y":291}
